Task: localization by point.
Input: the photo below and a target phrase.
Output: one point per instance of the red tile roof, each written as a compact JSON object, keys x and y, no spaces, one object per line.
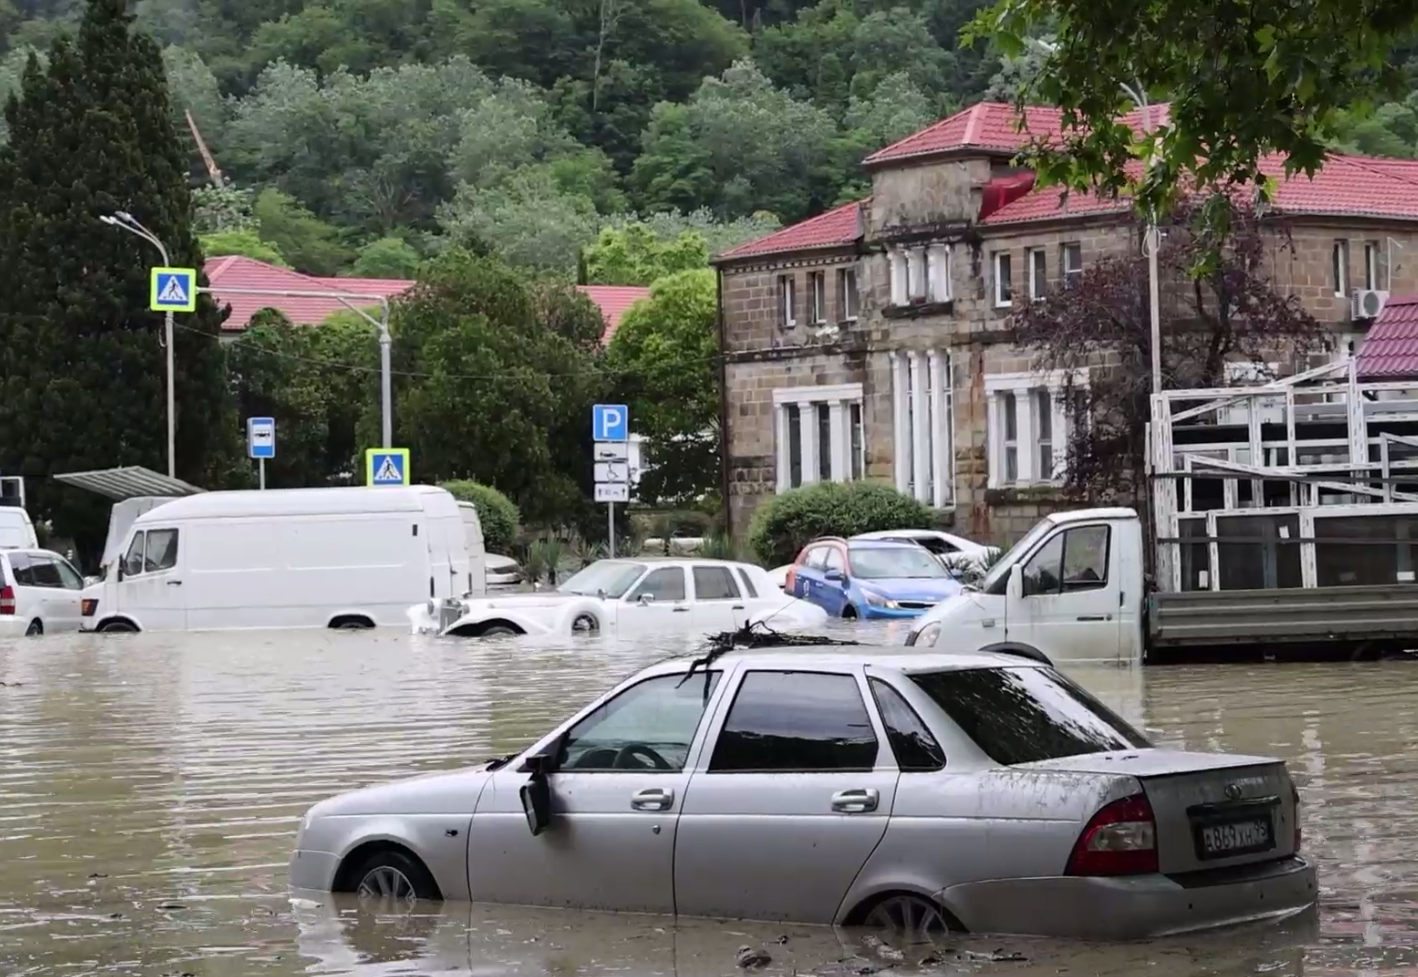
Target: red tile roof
{"x":237,"y":271}
{"x":834,"y":229}
{"x":1390,"y":350}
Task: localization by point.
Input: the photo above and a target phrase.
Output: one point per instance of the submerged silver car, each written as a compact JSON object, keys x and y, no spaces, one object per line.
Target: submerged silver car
{"x":915,"y":791}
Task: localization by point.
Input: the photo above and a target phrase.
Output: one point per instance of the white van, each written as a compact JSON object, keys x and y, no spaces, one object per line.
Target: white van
{"x":284,"y":558}
{"x":16,"y":529}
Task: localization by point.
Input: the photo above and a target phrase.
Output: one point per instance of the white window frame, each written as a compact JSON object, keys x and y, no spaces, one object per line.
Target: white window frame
{"x":1339,"y":267}
{"x":1067,"y":274}
{"x":938,"y":286}
{"x":839,"y":398}
{"x":1001,"y":260}
{"x":1371,"y":264}
{"x":788,"y":299}
{"x":847,"y":293}
{"x":916,"y":275}
{"x":1038,"y":283}
{"x":817,"y":297}
{"x":900,"y":273}
{"x":1024,"y":386}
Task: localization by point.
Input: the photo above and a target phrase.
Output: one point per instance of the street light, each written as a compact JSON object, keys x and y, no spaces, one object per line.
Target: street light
{"x":127,"y":222}
{"x":1152,"y":242}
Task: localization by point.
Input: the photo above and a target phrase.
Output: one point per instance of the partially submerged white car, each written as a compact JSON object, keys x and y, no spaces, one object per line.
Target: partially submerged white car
{"x":626,"y":598}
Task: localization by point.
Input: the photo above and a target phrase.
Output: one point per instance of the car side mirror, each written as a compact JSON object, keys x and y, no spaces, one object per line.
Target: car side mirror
{"x":645,"y":600}
{"x":1016,"y":582}
{"x":833,"y":575}
{"x":121,"y":573}
{"x":536,"y":794}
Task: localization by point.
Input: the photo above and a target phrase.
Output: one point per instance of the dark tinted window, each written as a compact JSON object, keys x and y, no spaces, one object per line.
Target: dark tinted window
{"x":915,"y":748}
{"x":1019,"y":715}
{"x":655,"y":719}
{"x":800,"y":721}
{"x":748,"y":586}
{"x":666,"y":583}
{"x":20,"y":567}
{"x":45,"y":573}
{"x":714,"y":583}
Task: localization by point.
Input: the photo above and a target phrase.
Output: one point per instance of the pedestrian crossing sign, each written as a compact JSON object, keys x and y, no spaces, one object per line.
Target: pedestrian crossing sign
{"x":386,"y":466}
{"x":173,"y":290}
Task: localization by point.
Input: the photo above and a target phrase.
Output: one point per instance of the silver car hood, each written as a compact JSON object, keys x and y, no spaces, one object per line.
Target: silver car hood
{"x":1148,"y":763}
{"x":454,"y":792}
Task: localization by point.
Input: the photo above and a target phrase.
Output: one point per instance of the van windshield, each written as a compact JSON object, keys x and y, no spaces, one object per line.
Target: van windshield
{"x":611,"y":577}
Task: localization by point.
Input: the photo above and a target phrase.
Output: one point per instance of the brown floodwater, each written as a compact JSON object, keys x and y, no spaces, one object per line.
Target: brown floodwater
{"x":151,"y":786}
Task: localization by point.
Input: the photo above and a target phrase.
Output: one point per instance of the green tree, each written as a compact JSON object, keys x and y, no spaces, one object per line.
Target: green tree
{"x":387,"y":257}
{"x":497,"y":514}
{"x":82,"y":365}
{"x":528,"y":219}
{"x":719,"y":235}
{"x":663,"y":355}
{"x":245,"y":243}
{"x":312,"y":246}
{"x":634,"y":255}
{"x":486,"y":389}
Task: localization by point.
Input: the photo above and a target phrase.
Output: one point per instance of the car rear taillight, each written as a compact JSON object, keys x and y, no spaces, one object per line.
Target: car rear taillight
{"x":1295,"y":795}
{"x":7,"y":600}
{"x":88,"y":607}
{"x":1121,"y":839}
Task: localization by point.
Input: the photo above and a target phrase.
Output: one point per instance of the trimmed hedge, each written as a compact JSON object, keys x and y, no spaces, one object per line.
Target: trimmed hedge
{"x":501,"y":521}
{"x":784,"y":524}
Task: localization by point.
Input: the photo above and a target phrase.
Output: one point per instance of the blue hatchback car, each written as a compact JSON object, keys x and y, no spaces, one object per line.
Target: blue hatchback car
{"x":870,"y":578}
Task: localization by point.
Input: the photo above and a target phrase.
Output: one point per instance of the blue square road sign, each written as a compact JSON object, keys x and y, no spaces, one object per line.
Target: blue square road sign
{"x":386,"y":466}
{"x":261,"y":437}
{"x":173,"y":290}
{"x":610,"y":422}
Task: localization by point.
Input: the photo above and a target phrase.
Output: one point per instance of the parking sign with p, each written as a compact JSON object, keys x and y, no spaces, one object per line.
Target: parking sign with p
{"x":610,"y":422}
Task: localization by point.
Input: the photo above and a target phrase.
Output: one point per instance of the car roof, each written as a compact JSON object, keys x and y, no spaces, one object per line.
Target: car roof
{"x":857,"y":543}
{"x":804,"y":658}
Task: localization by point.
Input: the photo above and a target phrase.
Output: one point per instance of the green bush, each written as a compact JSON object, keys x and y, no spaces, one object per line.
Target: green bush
{"x":498,"y":514}
{"x":787,"y":522}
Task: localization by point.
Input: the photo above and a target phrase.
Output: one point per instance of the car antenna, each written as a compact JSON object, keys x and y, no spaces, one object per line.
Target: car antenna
{"x":755,"y":634}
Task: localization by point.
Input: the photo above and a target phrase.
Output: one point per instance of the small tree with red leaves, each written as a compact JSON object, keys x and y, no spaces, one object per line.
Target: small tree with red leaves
{"x":1229,"y":312}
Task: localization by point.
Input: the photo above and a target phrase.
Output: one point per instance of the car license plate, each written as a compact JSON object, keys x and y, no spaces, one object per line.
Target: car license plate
{"x":1231,"y":838}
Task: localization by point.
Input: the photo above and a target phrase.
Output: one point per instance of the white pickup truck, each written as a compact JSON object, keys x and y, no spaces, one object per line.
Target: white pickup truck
{"x":1074,"y":590}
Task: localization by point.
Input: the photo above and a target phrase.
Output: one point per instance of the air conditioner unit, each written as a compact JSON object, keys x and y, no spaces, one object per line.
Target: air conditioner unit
{"x":1366,"y":303}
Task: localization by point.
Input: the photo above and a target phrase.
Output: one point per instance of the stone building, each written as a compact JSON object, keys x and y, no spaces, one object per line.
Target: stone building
{"x":871,"y":342}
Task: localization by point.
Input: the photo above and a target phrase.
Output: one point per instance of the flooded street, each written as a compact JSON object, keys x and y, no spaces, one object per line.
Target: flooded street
{"x":151,"y":786}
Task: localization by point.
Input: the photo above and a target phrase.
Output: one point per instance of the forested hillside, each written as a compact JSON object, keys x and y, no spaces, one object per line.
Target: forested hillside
{"x":361,"y":135}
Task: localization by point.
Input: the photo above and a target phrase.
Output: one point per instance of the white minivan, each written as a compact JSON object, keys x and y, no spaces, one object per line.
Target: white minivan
{"x":39,"y":593}
{"x":285,"y":558}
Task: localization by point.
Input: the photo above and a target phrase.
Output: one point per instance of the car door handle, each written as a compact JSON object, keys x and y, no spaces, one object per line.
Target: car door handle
{"x":652,"y":799}
{"x":736,"y":607}
{"x":174,"y":583}
{"x":856,"y":801}
{"x":681,"y":610}
{"x":1095,"y":617}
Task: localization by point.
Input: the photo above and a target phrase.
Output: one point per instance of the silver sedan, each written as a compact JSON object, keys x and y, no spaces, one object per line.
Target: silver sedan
{"x":919,"y":792}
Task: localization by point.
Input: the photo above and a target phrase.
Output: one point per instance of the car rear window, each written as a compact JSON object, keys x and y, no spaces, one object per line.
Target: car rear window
{"x":1022,"y":715}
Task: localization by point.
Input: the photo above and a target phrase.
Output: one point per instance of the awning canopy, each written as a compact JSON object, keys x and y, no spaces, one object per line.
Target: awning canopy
{"x":132,"y":482}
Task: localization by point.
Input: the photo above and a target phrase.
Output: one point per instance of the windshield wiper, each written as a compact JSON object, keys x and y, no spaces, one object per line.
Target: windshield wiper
{"x":500,"y":762}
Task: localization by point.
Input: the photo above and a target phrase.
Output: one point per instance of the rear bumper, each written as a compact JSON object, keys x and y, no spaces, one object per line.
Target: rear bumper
{"x":1132,"y":908}
{"x":313,"y":870}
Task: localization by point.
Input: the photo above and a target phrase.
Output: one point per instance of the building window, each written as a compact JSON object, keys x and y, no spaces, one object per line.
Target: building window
{"x":1340,"y":260}
{"x":847,"y":293}
{"x":787,"y":300}
{"x":923,"y":425}
{"x":820,"y":435}
{"x":916,"y":277}
{"x":900,"y":275}
{"x":1371,"y":264}
{"x":817,"y":296}
{"x":938,"y":274}
{"x":1004,"y":289}
{"x":1028,"y":424}
{"x":1038,"y":273}
{"x":1071,"y":258}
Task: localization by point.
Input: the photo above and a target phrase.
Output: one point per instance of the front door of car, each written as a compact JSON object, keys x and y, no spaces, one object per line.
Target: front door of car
{"x":150,"y":590}
{"x":619,"y":780}
{"x":658,"y":603}
{"x":60,"y":584}
{"x":1067,"y":606}
{"x":807,"y":580}
{"x":789,"y":798}
{"x":718,"y":605}
{"x":834,"y":581}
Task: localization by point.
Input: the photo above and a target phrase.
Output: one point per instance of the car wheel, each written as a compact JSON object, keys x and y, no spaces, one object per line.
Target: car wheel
{"x":36,"y":627}
{"x":117,"y":626}
{"x":849,"y":613}
{"x":498,"y":630}
{"x":585,"y":624}
{"x":394,"y":879}
{"x":913,"y":919}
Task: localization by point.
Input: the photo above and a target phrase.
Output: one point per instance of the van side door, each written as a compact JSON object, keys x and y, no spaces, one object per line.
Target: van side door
{"x":150,"y":591}
{"x":1068,"y":605}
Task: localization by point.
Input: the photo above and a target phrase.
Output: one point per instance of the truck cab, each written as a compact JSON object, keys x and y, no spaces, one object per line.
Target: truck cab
{"x":1071,"y":590}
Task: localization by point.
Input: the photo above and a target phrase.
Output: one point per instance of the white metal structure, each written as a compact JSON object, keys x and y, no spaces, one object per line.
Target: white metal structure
{"x":293,"y":558}
{"x":629,"y":598}
{"x":39,"y":593}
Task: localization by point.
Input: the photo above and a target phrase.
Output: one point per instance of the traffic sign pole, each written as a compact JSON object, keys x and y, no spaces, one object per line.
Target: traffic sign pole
{"x":262,"y":467}
{"x":610,"y":530}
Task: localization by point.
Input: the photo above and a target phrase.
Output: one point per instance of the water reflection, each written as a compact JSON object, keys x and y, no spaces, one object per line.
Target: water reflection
{"x":150,"y":787}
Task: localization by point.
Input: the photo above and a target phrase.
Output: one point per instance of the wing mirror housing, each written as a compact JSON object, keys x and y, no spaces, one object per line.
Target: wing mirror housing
{"x":536,"y":793}
{"x":645,"y":600}
{"x":1016,"y":582}
{"x":834,"y":575}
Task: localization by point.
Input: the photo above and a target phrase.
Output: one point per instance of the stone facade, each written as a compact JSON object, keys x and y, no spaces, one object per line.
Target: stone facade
{"x":924,"y":367}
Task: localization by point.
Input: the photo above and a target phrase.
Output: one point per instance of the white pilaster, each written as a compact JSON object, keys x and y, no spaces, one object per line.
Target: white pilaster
{"x":1028,"y":447}
{"x":900,"y":422}
{"x":841,"y":470}
{"x":917,"y":276}
{"x":785,"y":457}
{"x":942,"y":442}
{"x":807,"y":428}
{"x":896,"y":268}
{"x":920,"y":433}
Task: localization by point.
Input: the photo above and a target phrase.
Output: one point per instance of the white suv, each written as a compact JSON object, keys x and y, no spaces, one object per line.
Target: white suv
{"x":40,"y":593}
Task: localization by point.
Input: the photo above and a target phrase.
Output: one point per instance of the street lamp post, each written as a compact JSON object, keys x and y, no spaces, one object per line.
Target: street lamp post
{"x":127,"y":222}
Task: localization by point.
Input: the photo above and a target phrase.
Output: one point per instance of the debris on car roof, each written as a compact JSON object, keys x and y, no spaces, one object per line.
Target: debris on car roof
{"x":755,"y":634}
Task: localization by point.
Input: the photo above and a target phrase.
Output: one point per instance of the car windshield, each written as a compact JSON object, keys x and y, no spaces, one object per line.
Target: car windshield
{"x":884,"y":562}
{"x":1022,"y":715}
{"x":1001,"y":568}
{"x":611,"y":577}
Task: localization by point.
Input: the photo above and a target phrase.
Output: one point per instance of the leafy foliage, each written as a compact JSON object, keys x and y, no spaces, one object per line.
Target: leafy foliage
{"x":784,"y":524}
{"x":501,"y":522}
{"x":635,"y":255}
